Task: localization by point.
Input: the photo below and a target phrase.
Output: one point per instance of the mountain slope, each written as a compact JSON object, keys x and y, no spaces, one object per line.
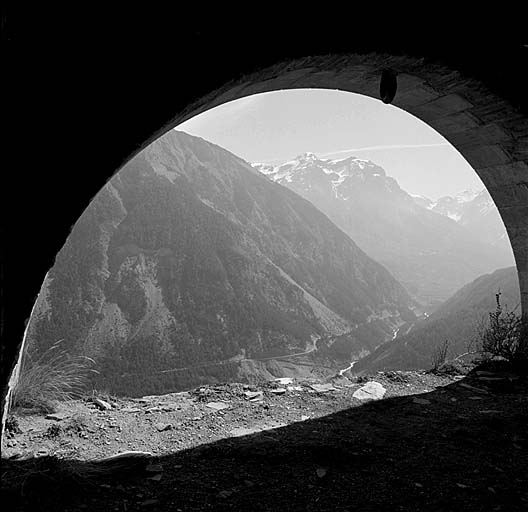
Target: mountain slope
{"x":430,"y":254}
{"x":189,"y":257}
{"x":457,"y":320}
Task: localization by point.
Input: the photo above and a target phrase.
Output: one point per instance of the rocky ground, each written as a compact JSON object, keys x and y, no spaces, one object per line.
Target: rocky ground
{"x":394,"y":440}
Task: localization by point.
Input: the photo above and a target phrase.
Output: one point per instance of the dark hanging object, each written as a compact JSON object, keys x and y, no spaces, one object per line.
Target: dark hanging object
{"x":388,"y":86}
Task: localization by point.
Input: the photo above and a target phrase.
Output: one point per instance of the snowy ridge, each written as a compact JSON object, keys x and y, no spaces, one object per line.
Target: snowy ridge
{"x":455,"y":206}
{"x":341,"y":168}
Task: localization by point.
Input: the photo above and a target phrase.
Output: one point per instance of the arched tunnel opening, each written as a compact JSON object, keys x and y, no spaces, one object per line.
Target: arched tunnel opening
{"x":146,"y":291}
{"x":486,"y":130}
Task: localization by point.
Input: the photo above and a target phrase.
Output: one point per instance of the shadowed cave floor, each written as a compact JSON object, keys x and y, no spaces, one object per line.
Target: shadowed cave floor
{"x":463,"y":448}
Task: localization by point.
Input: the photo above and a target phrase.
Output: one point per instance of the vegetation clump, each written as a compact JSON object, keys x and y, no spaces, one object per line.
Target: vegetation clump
{"x":54,"y":377}
{"x":439,"y":357}
{"x":505,"y":336}
{"x":396,"y":376}
{"x":12,"y":426}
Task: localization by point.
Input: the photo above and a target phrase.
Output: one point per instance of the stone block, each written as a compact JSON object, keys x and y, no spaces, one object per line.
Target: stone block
{"x":453,"y":123}
{"x":442,"y":106}
{"x":485,"y":155}
{"x":488,"y":134}
{"x":410,"y":99}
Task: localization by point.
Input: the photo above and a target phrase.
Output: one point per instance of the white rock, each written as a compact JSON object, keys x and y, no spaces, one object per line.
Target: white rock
{"x":294,"y":388}
{"x":322,"y":388}
{"x":241,"y":431}
{"x":101,"y":404}
{"x":372,"y":390}
{"x":58,"y":416}
{"x":253,"y":395}
{"x":217,"y":406}
{"x":128,"y":454}
{"x":130,"y":409}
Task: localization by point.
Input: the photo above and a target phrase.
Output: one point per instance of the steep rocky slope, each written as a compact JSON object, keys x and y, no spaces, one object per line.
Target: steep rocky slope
{"x":189,"y":262}
{"x":429,"y":253}
{"x":458,"y":320}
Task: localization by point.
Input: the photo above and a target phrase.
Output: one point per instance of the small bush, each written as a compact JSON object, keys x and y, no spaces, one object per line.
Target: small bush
{"x":453,"y":367}
{"x":504,"y":336}
{"x":396,"y":376}
{"x":360,"y":379}
{"x":439,"y":356}
{"x":54,"y":377}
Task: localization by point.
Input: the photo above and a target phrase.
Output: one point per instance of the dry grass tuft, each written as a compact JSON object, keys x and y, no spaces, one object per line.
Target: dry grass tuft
{"x":54,"y":377}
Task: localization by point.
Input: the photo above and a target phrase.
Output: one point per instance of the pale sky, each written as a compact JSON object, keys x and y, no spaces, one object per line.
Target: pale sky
{"x":277,"y":126}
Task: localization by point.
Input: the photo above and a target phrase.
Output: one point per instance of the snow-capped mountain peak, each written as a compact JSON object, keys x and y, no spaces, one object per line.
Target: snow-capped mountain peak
{"x":338,"y":169}
{"x":409,"y":234}
{"x":467,"y":195}
{"x":308,"y":156}
{"x":454,"y":206}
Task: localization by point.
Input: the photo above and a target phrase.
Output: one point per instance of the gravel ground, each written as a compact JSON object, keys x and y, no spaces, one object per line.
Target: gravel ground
{"x":452,"y":442}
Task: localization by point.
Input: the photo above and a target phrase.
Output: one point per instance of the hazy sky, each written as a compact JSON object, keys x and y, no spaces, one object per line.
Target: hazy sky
{"x":277,"y":126}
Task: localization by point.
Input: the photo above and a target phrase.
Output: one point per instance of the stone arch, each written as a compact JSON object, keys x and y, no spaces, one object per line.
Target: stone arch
{"x":487,"y":129}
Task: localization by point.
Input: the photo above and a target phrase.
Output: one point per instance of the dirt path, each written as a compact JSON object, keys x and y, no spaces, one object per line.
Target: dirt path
{"x":312,"y":349}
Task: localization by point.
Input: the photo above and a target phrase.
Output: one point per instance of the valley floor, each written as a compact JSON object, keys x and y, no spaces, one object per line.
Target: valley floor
{"x":432,"y":443}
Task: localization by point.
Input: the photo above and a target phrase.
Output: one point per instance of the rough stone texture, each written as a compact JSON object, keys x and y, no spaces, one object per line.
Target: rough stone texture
{"x":370,"y":391}
{"x":86,"y":100}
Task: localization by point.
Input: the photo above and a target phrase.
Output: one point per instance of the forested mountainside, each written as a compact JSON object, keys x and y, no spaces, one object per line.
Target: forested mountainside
{"x":431,"y":254}
{"x":189,"y":257}
{"x":458,"y":320}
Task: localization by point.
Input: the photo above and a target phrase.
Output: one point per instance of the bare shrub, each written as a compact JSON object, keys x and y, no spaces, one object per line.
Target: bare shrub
{"x":54,"y":377}
{"x":504,"y":334}
{"x":439,"y":356}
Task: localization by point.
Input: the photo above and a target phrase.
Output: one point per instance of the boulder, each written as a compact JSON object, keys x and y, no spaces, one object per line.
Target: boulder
{"x":372,"y":390}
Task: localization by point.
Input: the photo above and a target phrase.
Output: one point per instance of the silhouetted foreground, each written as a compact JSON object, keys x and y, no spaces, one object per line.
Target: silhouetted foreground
{"x":463,"y":448}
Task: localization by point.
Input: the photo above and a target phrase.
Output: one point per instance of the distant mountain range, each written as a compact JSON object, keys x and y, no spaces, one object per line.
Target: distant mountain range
{"x":450,"y":206}
{"x":417,"y":240}
{"x":189,"y":261}
{"x":476,"y":211}
{"x":458,"y":320}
